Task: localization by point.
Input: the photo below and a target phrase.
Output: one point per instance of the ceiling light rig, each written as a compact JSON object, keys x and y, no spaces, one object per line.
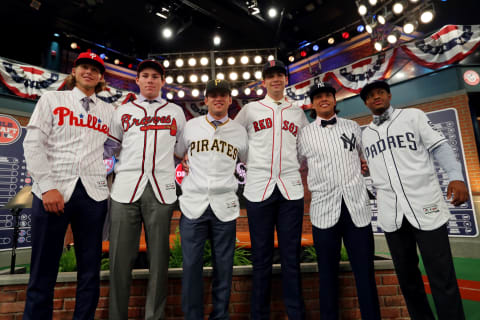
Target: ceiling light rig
{"x":381,"y":19}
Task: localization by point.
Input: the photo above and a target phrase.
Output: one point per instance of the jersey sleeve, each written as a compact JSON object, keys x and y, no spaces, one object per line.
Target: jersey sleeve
{"x":300,"y":146}
{"x":116,"y":130}
{"x":430,"y":136}
{"x":358,"y":134}
{"x":304,"y":120}
{"x":241,"y":117}
{"x":244,"y":149}
{"x":42,"y":117}
{"x":181,"y":144}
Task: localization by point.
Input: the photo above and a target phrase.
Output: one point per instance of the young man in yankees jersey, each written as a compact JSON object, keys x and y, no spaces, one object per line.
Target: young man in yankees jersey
{"x":208,"y":202}
{"x":340,"y":206}
{"x":274,"y":191}
{"x":63,"y":150}
{"x":144,"y":191}
{"x":399,"y":145}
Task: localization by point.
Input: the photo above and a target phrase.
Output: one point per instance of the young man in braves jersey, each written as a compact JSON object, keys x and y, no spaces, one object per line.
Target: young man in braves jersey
{"x":399,"y":145}
{"x":63,"y":150}
{"x":208,"y":202}
{"x":340,"y":206}
{"x":144,"y":191}
{"x":274,"y":191}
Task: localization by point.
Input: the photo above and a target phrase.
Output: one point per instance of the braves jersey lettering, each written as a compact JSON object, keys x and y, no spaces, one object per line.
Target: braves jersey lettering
{"x":128,"y":121}
{"x":217,"y":145}
{"x":262,"y":124}
{"x":290,"y":126}
{"x":400,"y":141}
{"x":92,"y":121}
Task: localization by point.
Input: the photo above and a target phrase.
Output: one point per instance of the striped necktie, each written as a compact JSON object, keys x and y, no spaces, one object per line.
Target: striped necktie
{"x":216,"y":123}
{"x":86,"y":103}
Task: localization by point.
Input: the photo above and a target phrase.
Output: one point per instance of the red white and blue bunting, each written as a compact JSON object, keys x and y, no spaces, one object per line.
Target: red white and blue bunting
{"x":450,"y":44}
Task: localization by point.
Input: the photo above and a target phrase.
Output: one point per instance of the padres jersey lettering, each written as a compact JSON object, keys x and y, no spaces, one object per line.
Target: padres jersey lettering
{"x":212,"y":157}
{"x":401,"y":166}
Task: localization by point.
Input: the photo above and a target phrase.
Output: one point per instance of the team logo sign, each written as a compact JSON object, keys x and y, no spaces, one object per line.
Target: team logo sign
{"x":471,"y":77}
{"x":179,"y":174}
{"x":10,"y":130}
{"x":110,"y":164}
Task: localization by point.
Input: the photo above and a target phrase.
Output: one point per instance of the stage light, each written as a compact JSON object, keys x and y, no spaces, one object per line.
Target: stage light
{"x":369,"y":28}
{"x":362,"y":9}
{"x":252,"y":7}
{"x":259,"y":92}
{"x":231,"y":60}
{"x":272,"y":12}
{"x":270,"y":57}
{"x":234,"y":92}
{"x":169,"y":96}
{"x":180,"y":79}
{"x":204,"y":61}
{"x":195,"y":93}
{"x":381,"y":19}
{"x":116,"y":61}
{"x":415,"y":1}
{"x":169,"y":79}
{"x":427,"y":16}
{"x":244,"y":60}
{"x":409,"y":26}
{"x":217,"y":40}
{"x":258,"y":75}
{"x":398,"y":7}
{"x":315,"y":47}
{"x":257,"y":59}
{"x":204,"y":77}
{"x":56,"y":35}
{"x":166,"y":63}
{"x":378,"y":46}
{"x":219,"y":61}
{"x":103,"y":56}
{"x":372,"y":2}
{"x":393,"y":37}
{"x":233,"y":76}
{"x":345,"y":35}
{"x":247,"y":91}
{"x":167,"y":33}
{"x":220,"y":76}
{"x":130,"y":66}
{"x":179,"y":63}
{"x":303,"y":53}
{"x":360,"y":28}
{"x":246,"y":75}
{"x":192,"y":62}
{"x":291,"y":58}
{"x":331,"y":40}
{"x":73,"y":45}
{"x":193,"y":78}
{"x":181,"y":93}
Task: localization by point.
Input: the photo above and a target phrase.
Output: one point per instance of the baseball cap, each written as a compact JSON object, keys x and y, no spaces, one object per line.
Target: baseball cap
{"x":374,"y":85}
{"x":274,"y":65}
{"x":150,"y":63}
{"x":321,"y":87}
{"x":90,"y":58}
{"x":217,"y":85}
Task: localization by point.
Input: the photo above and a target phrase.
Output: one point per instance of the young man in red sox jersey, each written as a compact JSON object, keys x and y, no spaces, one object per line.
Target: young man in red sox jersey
{"x":274,"y":191}
{"x":63,"y":150}
{"x":144,"y":190}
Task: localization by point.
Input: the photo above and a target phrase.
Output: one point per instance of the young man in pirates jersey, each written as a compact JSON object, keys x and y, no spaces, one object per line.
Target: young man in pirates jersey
{"x":399,"y":145}
{"x":63,"y":150}
{"x":274,"y":191}
{"x":144,"y":191}
{"x":340,"y":207}
{"x":208,"y":202}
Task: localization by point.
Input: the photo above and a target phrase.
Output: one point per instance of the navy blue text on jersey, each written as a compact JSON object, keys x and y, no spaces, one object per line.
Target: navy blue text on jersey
{"x":267,"y":123}
{"x":400,"y":141}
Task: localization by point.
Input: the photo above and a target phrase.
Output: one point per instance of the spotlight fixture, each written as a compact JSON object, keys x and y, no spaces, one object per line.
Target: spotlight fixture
{"x":231,"y":60}
{"x":244,"y":60}
{"x":258,"y":75}
{"x":270,"y":57}
{"x":381,"y":19}
{"x":169,"y":96}
{"x":393,"y":37}
{"x":246,"y":75}
{"x":195,"y":93}
{"x":116,"y":61}
{"x":259,"y":92}
{"x":234,"y":92}
{"x":372,"y":2}
{"x":291,"y":58}
{"x":233,"y":76}
{"x":252,"y":7}
{"x":414,"y":1}
{"x":192,"y":62}
{"x":219,"y":61}
{"x":166,"y":63}
{"x":217,"y":40}
{"x":204,"y":77}
{"x":345,"y":35}
{"x":73,"y":45}
{"x":179,"y":63}
{"x":181,"y":93}
{"x":331,"y":40}
{"x":303,"y":53}
{"x":193,"y":78}
{"x":203,"y":61}
{"x":378,"y":46}
{"x":169,"y":79}
{"x":315,"y":47}
{"x":409,"y":26}
{"x":220,"y":76}
{"x":362,"y":9}
{"x":247,"y":91}
{"x":398,"y":7}
{"x":360,"y":28}
{"x":272,"y":12}
{"x":163,"y":13}
{"x":369,"y":28}
{"x":167,"y":33}
{"x":180,"y":79}
{"x":426,"y":16}
{"x":257,"y":59}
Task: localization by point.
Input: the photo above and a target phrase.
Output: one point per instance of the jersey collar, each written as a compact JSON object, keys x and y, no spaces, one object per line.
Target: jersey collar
{"x":79,"y":95}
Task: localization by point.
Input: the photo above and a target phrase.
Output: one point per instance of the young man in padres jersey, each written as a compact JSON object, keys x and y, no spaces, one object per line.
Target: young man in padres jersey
{"x":274,"y":191}
{"x":208,"y":202}
{"x":399,"y":145}
{"x":144,"y":191}
{"x":340,"y":206}
{"x":63,"y":150}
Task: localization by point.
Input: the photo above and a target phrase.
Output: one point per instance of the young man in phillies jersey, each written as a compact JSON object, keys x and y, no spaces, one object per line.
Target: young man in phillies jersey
{"x":64,"y":154}
{"x":145,"y":130}
{"x":274,"y":191}
{"x":399,"y":146}
{"x":208,"y":202}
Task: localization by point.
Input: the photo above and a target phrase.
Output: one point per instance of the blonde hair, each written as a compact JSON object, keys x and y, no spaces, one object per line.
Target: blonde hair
{"x":70,"y":83}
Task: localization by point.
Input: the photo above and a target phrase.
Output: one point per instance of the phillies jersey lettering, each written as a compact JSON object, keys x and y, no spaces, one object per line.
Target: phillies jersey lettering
{"x":400,"y":141}
{"x":216,"y":145}
{"x":92,"y":121}
{"x":262,"y":124}
{"x":291,"y":127}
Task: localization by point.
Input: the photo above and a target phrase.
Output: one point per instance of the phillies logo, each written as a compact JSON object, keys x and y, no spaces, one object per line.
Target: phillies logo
{"x":10,"y":130}
{"x":66,"y":115}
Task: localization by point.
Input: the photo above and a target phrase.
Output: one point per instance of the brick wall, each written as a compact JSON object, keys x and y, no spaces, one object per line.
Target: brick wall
{"x":12,"y":298}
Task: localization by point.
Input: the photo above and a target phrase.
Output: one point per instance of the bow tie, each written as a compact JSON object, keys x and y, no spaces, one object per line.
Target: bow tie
{"x":327,"y":122}
{"x":378,"y":120}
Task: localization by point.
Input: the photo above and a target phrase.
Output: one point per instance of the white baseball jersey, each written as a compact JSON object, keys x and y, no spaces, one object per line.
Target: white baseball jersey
{"x":148,"y":133}
{"x":333,"y":158}
{"x":64,"y":143}
{"x":272,"y":153}
{"x":401,"y":166}
{"x":212,"y":156}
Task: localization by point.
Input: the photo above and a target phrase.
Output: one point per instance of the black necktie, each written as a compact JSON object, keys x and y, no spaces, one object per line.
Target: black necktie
{"x":327,"y":122}
{"x":216,"y":123}
{"x":151,"y":101}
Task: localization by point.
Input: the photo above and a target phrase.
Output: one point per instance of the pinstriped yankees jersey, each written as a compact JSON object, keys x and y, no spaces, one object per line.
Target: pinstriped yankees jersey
{"x":148,"y":133}
{"x":272,"y":155}
{"x":73,"y":144}
{"x":402,"y":170}
{"x":334,"y":172}
{"x":212,"y":156}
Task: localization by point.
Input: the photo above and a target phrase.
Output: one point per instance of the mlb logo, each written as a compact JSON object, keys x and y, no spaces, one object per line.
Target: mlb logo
{"x":10,"y":130}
